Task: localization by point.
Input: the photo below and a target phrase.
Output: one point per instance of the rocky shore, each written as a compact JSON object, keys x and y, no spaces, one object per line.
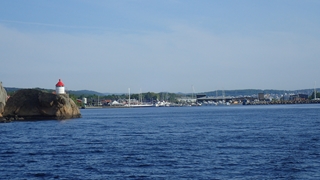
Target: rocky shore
{"x":32,"y":104}
{"x":3,"y":99}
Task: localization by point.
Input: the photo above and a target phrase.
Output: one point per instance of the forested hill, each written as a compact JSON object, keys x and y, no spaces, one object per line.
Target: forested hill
{"x":250,"y":92}
{"x":243,"y":92}
{"x":11,"y":90}
{"x":86,"y":92}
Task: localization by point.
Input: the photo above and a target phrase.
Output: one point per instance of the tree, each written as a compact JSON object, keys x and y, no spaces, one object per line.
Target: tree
{"x":312,"y":95}
{"x":74,"y":98}
{"x":150,"y":96}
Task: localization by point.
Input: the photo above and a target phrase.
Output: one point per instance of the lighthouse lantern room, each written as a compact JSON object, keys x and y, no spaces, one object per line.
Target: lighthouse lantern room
{"x":60,"y":87}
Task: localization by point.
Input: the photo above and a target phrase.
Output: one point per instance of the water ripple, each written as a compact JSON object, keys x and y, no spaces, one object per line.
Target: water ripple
{"x":278,"y":142}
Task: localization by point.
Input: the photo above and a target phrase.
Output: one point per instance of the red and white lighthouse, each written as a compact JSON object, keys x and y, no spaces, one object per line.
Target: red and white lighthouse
{"x":60,"y":87}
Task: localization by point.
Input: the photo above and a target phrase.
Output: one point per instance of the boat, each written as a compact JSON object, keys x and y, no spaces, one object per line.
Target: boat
{"x":141,"y":105}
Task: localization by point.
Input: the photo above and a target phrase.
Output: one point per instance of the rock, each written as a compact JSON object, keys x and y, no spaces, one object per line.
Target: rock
{"x":3,"y":99}
{"x":4,"y":120}
{"x":32,"y":104}
{"x":1,"y":108}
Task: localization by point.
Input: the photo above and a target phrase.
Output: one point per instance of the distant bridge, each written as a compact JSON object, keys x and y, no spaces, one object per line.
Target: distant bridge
{"x":202,"y":97}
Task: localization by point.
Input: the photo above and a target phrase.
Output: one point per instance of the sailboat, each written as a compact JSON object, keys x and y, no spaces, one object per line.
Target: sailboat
{"x":140,"y":102}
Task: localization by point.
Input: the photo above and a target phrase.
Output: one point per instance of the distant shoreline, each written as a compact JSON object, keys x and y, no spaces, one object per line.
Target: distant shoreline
{"x":283,"y":102}
{"x":246,"y":104}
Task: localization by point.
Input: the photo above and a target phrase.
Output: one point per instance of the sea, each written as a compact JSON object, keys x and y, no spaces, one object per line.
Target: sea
{"x":212,"y":142}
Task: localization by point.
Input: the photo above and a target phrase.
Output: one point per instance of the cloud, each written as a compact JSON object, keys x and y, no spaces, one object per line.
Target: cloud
{"x":49,"y":25}
{"x":170,"y":60}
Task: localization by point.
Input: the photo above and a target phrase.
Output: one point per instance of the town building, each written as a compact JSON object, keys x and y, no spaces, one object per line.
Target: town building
{"x":298,"y":97}
{"x":261,"y":96}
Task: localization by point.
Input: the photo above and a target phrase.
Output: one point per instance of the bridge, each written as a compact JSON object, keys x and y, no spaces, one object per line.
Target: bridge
{"x":202,"y":97}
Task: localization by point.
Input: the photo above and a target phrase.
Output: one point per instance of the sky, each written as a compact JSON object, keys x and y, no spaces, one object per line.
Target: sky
{"x":154,"y":46}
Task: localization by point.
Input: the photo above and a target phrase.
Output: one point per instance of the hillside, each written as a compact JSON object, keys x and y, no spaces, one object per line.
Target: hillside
{"x":11,"y":90}
{"x":251,"y":92}
{"x":242,"y":92}
{"x":85,"y":92}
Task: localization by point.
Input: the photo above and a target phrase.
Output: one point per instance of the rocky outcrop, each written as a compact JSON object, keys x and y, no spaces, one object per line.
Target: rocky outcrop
{"x":3,"y":99}
{"x":32,"y":104}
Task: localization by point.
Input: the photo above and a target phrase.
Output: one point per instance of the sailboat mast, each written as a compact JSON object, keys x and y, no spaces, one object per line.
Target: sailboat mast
{"x":129,"y":97}
{"x":193,"y":92}
{"x":140,"y":96}
{"x":315,"y":91}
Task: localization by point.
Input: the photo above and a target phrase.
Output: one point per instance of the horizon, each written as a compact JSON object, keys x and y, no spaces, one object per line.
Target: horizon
{"x":302,"y":89}
{"x":161,"y":46}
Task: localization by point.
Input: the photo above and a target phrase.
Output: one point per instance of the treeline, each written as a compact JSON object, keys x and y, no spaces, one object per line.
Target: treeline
{"x":312,"y":95}
{"x":145,"y":97}
{"x":250,"y":92}
{"x":172,"y":97}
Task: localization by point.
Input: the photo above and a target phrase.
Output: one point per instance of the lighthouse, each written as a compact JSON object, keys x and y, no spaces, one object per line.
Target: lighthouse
{"x":60,"y":87}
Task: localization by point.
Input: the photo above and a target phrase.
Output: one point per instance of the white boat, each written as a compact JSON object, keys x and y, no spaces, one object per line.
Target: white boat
{"x":141,"y":105}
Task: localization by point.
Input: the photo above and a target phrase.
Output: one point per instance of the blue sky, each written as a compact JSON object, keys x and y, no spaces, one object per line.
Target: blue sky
{"x":110,"y":46}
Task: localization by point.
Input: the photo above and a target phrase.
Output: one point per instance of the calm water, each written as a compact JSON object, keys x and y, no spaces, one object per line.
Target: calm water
{"x":235,"y":142}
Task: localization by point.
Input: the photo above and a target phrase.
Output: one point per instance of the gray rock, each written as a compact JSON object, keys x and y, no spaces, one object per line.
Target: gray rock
{"x":32,"y":104}
{"x":3,"y":98}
